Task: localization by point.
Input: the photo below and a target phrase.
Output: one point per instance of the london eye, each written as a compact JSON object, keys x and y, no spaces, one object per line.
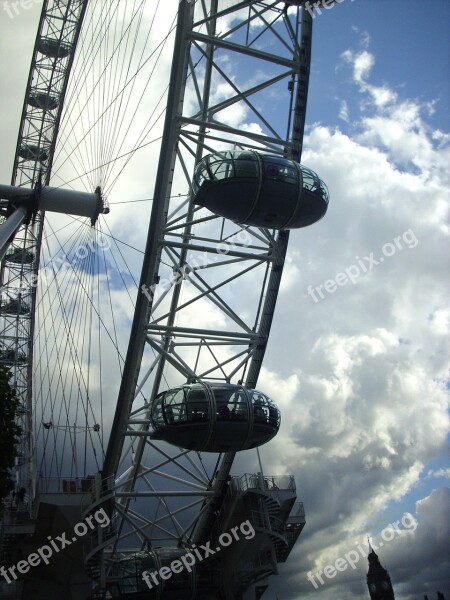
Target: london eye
{"x":136,"y":363}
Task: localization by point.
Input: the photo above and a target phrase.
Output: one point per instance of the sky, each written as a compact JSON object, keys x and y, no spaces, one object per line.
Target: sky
{"x":358,"y":353}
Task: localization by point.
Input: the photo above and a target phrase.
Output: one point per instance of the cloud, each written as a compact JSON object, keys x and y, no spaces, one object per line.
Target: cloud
{"x":438,"y":473}
{"x":343,"y":112}
{"x":420,"y":564}
{"x":362,"y":64}
{"x":371,"y":407}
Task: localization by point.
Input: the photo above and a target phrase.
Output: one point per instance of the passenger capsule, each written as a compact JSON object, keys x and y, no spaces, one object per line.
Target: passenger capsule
{"x":10,"y":356}
{"x":260,"y":189}
{"x":135,"y":581}
{"x":14,"y":307}
{"x":54,"y":48}
{"x":214,"y":417}
{"x":32,"y":152}
{"x":43,"y":101}
{"x":19,"y":256}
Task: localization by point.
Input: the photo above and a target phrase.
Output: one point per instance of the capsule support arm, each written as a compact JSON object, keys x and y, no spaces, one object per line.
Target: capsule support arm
{"x":60,"y":200}
{"x":9,"y":227}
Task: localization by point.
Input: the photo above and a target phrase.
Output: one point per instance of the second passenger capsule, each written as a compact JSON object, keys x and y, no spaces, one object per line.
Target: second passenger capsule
{"x":259,"y":189}
{"x":214,"y":417}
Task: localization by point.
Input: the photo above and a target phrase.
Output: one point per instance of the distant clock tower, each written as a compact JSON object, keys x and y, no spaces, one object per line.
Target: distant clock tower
{"x":378,"y":580}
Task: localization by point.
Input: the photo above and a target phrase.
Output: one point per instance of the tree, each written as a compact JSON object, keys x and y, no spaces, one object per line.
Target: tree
{"x":9,"y":432}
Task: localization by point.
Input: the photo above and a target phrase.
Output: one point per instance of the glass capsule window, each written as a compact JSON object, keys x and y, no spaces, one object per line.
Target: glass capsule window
{"x":264,"y":410}
{"x":157,"y":413}
{"x":226,"y":165}
{"x":130,"y":571}
{"x":238,"y":406}
{"x":197,"y":404}
{"x":313,"y":183}
{"x":248,"y":164}
{"x":175,"y":406}
{"x":245,"y":164}
{"x":220,"y":168}
{"x":131,"y":580}
{"x":280,"y":169}
{"x":231,"y":404}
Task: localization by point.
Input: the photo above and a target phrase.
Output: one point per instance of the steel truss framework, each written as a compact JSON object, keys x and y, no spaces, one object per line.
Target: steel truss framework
{"x":208,"y":287}
{"x":53,"y":54}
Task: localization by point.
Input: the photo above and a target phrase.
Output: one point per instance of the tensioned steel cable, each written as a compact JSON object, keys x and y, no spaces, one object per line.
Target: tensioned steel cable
{"x":71,"y":346}
{"x":73,"y":123}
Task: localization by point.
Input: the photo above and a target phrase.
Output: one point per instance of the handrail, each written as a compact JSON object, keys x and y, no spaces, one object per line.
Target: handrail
{"x":265,"y":482}
{"x":65,"y":485}
{"x":297,"y":512}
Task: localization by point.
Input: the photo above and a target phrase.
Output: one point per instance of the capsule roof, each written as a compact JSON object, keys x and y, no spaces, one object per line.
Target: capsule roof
{"x":214,"y":417}
{"x":260,"y":189}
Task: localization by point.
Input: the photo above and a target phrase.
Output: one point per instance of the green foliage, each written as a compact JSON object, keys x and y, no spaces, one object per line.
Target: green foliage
{"x":9,"y":431}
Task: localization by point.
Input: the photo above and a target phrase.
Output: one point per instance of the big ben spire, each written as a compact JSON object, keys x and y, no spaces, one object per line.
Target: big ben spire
{"x":378,"y":580}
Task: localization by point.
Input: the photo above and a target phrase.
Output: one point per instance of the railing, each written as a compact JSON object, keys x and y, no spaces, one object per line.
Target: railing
{"x":65,"y":485}
{"x":100,"y":536}
{"x":102,"y":488}
{"x":297,"y":514}
{"x":101,"y":495}
{"x":265,"y":482}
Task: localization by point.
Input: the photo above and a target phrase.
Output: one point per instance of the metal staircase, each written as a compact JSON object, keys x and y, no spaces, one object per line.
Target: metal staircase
{"x":102,"y":496}
{"x":293,"y":528}
{"x":269,"y":504}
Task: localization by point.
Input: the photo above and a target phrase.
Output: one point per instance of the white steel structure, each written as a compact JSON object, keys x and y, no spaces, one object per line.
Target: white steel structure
{"x":204,"y":304}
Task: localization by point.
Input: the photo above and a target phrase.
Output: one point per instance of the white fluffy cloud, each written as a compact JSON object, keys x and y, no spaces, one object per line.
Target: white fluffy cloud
{"x":370,"y":400}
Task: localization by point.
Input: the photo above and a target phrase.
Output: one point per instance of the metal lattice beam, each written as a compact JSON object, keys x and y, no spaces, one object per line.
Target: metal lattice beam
{"x":183,"y":240}
{"x":53,"y":55}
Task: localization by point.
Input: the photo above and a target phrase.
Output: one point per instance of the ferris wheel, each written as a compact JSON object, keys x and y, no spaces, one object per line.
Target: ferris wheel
{"x":137,"y":391}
